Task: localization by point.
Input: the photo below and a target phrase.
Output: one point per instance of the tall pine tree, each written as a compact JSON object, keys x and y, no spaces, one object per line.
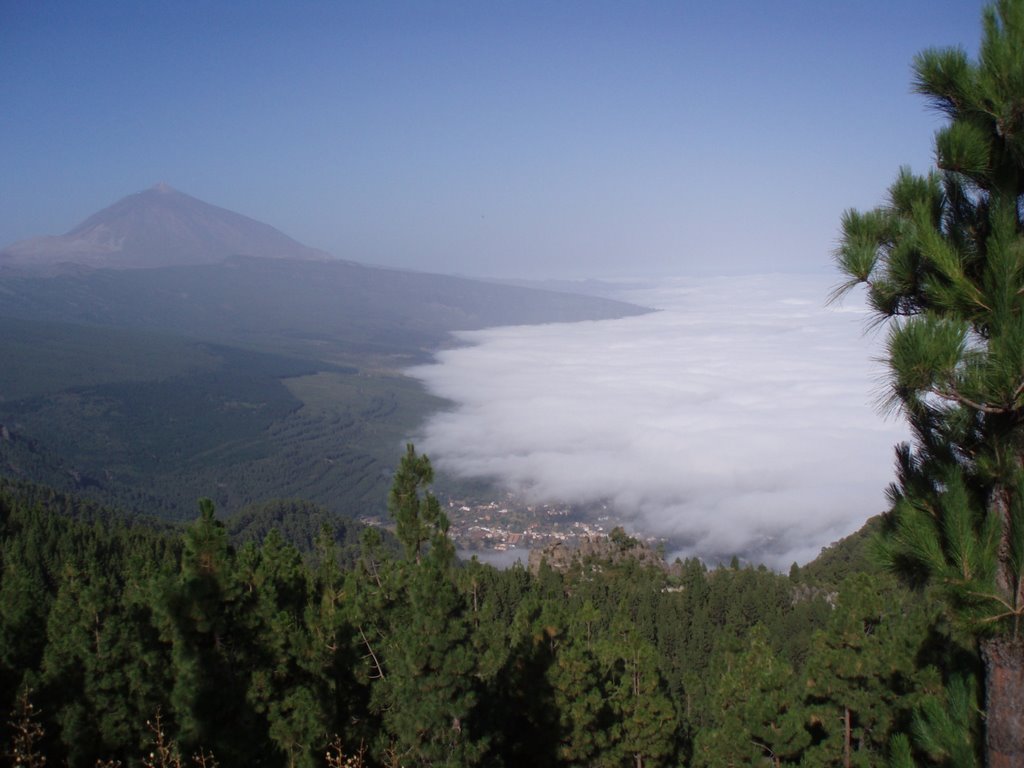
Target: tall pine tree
{"x":943,"y":262}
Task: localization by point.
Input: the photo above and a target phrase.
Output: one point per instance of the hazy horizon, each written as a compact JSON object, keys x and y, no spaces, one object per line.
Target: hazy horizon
{"x":510,"y":140}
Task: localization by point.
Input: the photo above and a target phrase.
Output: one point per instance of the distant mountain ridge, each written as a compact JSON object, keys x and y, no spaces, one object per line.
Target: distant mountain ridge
{"x":164,"y":261}
{"x":158,"y":227}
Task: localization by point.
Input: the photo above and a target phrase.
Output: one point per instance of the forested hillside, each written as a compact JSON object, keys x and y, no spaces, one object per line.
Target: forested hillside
{"x":262,"y":656}
{"x":151,"y":422}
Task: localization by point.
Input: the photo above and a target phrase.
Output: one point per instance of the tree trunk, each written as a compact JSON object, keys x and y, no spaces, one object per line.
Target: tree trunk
{"x":846,"y":737}
{"x":1004,"y":702}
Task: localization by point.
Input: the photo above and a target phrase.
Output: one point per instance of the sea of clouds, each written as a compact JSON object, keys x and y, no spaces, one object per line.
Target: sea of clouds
{"x":740,"y":418}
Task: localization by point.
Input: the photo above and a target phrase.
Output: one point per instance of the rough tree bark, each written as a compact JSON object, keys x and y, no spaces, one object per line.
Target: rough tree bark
{"x":1004,"y":701}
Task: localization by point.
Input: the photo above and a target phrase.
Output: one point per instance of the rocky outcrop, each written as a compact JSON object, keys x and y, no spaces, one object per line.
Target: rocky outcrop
{"x":614,"y":548}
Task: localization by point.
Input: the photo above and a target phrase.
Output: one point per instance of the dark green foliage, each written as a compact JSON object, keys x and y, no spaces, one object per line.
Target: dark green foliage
{"x":300,"y":523}
{"x":48,"y":358}
{"x":417,"y":512}
{"x":844,"y":558}
{"x":863,"y":678}
{"x":50,"y":502}
{"x":516,"y":705}
{"x":576,"y":684}
{"x":430,"y":695}
{"x":643,"y":720}
{"x":199,"y":621}
{"x":947,"y":727}
{"x":757,"y":711}
{"x":75,"y":619}
{"x":288,"y":686}
{"x":412,"y":620}
{"x":261,"y":654}
{"x":26,"y":591}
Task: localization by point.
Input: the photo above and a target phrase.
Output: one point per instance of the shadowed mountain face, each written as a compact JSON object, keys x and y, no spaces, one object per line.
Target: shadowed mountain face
{"x":156,"y":228}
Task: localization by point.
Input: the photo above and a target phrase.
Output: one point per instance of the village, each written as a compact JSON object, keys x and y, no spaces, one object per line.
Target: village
{"x":512,"y":523}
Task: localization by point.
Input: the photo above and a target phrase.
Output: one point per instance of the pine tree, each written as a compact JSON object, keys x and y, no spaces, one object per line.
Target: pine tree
{"x":431,"y":691}
{"x":644,"y":721}
{"x":946,"y":726}
{"x":284,"y":685}
{"x":85,"y":666}
{"x":199,"y":617}
{"x":862,"y":678}
{"x":416,"y":511}
{"x":943,"y":262}
{"x":25,"y":593}
{"x":518,"y":707}
{"x":411,"y":620}
{"x":580,"y":700}
{"x":333,"y":651}
{"x":756,"y":713}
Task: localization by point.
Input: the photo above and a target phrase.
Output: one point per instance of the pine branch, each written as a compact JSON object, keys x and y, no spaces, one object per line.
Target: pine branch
{"x":955,"y":396}
{"x":376,"y":662}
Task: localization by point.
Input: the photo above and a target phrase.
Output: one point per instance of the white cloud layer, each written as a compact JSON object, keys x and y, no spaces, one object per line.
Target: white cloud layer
{"x":740,"y":419}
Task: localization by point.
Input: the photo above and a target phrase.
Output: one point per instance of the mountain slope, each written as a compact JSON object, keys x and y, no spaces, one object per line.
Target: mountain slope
{"x":154,"y":228}
{"x":314,"y":308}
{"x":151,"y":422}
{"x":163,"y":261}
{"x":238,"y":364}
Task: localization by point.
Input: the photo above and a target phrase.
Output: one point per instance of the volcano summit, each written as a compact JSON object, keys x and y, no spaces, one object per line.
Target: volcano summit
{"x":159,"y":227}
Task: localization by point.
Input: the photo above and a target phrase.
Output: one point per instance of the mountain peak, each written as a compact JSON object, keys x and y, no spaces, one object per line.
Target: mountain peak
{"x":159,"y":227}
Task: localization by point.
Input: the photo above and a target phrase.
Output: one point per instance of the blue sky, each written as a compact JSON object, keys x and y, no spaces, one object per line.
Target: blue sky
{"x":527,"y":139}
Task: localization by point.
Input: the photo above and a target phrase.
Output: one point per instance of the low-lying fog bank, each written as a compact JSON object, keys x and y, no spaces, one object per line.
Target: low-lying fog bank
{"x":740,"y":419}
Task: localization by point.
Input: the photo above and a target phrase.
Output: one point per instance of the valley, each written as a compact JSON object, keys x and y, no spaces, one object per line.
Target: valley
{"x":219,"y":373}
